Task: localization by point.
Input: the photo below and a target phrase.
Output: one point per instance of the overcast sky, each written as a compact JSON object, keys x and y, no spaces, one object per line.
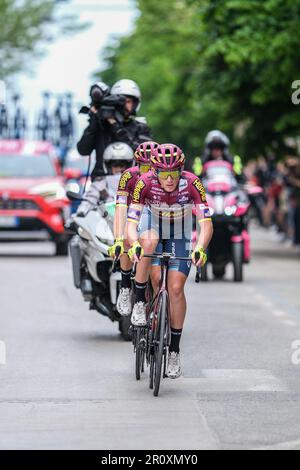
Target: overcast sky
{"x":71,"y":61}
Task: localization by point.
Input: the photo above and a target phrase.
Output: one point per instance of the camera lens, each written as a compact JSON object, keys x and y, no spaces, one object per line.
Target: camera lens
{"x":96,"y":95}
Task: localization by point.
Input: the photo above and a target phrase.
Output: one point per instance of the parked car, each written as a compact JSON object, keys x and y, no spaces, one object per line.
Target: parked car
{"x":33,"y":203}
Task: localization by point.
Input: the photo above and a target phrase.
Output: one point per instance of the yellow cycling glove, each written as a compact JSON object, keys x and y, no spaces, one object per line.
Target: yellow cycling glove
{"x":119,"y":242}
{"x":133,"y":250}
{"x":201,"y":252}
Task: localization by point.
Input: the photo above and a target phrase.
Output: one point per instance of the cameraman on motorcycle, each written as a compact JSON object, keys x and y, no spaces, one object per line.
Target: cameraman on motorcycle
{"x":112,"y":119}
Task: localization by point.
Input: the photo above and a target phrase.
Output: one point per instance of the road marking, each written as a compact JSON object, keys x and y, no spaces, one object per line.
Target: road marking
{"x":210,"y":434}
{"x":260,"y":297}
{"x":277,"y":298}
{"x":289,"y":322}
{"x":234,"y":380}
{"x":276,"y":312}
{"x":268,"y":304}
{"x":279,"y":313}
{"x":2,"y":353}
{"x":281,"y":446}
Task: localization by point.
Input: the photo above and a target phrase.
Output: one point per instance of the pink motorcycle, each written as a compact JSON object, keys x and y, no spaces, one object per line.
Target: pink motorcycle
{"x":230,"y":210}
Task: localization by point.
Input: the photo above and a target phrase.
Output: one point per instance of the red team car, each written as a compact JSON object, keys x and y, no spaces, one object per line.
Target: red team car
{"x":33,"y":205}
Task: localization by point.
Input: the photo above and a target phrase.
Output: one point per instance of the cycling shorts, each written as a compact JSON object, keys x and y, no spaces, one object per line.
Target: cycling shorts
{"x":175,"y":242}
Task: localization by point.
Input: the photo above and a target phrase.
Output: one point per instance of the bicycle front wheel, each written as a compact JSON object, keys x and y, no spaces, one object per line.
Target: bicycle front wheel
{"x":140,"y":345}
{"x":160,"y":343}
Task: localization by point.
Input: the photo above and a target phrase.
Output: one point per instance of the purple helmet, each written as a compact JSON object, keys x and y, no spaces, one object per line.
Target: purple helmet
{"x":168,"y":157}
{"x":144,"y":152}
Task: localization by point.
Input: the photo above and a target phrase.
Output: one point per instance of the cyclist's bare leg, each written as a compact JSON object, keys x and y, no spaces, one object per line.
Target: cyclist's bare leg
{"x":125,"y":262}
{"x":124,"y":302}
{"x":155,"y":275}
{"x":149,"y":241}
{"x":176,"y":283}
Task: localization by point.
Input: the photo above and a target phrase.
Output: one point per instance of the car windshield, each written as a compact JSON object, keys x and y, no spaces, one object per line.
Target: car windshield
{"x":79,"y":164}
{"x":26,"y":166}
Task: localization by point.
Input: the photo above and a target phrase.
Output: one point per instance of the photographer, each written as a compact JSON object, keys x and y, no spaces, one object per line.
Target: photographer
{"x":111,"y":119}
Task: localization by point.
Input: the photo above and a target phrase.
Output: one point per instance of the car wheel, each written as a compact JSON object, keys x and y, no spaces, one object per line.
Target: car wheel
{"x":62,"y":248}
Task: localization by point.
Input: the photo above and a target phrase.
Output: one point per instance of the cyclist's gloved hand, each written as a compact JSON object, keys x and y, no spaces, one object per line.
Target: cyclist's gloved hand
{"x":199,"y":252}
{"x":132,"y":253}
{"x":119,"y":242}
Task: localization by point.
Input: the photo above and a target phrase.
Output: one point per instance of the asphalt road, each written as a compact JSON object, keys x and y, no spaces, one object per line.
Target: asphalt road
{"x":68,"y":381}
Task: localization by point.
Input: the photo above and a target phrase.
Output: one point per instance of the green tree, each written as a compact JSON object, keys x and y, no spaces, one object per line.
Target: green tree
{"x":251,"y":47}
{"x":206,"y":64}
{"x":24,"y":25}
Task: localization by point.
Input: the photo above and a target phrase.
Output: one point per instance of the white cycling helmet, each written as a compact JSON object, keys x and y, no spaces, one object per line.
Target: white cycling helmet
{"x":217,"y":137}
{"x":128,"y":88}
{"x":118,"y":152}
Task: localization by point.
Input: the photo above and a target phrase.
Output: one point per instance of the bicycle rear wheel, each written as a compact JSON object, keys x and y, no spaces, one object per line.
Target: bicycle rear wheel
{"x":160,"y":342}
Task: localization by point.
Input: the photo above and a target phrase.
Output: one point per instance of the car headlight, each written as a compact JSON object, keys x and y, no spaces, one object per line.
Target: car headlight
{"x":73,"y":187}
{"x":49,"y":191}
{"x":230,"y":210}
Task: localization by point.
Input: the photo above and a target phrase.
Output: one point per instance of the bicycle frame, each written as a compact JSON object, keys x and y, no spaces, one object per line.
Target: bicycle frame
{"x":156,"y":335}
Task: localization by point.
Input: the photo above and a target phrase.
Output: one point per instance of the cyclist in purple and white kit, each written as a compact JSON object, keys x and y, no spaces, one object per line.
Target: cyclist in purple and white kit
{"x":126,"y":186}
{"x":169,"y":193}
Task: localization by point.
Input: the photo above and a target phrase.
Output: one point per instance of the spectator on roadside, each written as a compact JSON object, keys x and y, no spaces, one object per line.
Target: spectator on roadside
{"x":292,"y":178}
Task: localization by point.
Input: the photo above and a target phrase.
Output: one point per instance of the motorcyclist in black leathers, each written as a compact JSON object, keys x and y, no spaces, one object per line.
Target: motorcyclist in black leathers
{"x":100,"y":133}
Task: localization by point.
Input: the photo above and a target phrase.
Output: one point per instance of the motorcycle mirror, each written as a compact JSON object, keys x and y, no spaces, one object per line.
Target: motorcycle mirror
{"x":102,"y":174}
{"x":74,"y":196}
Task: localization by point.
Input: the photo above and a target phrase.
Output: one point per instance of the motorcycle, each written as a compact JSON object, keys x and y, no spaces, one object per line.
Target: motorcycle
{"x":230,"y":207}
{"x":94,"y":272}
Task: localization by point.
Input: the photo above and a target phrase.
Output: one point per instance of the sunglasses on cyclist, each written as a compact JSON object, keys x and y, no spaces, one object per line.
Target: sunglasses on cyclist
{"x":164,"y":175}
{"x":144,"y":168}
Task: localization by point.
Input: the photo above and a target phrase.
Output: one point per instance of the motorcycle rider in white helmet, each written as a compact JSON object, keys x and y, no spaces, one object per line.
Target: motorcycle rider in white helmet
{"x":117,"y":158}
{"x":217,"y":148}
{"x":101,"y":132}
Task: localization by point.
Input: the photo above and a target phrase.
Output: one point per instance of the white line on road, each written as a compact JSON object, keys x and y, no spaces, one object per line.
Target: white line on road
{"x":237,"y":380}
{"x":289,"y":322}
{"x":2,"y":353}
{"x":292,"y":445}
{"x":279,"y":313}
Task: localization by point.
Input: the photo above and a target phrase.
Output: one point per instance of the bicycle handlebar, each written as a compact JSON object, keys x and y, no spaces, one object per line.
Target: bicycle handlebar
{"x":138,"y":254}
{"x":115,"y":262}
{"x":165,"y":256}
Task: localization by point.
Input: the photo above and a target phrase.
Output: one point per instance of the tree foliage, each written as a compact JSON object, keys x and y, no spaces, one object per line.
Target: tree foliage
{"x":24,"y":25}
{"x":205,"y":64}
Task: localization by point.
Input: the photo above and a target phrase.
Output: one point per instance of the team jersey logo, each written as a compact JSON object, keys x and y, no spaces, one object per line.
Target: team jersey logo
{"x":200,"y":188}
{"x":207,"y":213}
{"x":137,"y":191}
{"x":121,"y":200}
{"x":124,"y":180}
{"x":183,"y":185}
{"x":134,"y":214}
